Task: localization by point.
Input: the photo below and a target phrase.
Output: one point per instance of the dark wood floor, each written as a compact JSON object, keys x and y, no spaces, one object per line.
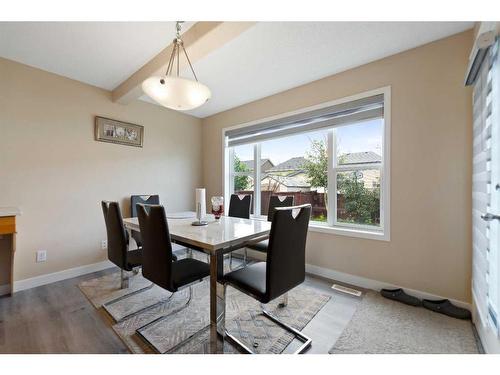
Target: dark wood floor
{"x":57,"y":318}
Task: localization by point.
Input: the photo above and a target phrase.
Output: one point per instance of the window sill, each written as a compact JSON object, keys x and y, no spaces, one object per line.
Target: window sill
{"x":349,"y":232}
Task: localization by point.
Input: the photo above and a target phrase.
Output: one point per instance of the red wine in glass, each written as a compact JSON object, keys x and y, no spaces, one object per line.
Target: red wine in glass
{"x":217,"y":207}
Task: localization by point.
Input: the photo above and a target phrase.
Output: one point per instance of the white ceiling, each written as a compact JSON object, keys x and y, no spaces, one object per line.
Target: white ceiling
{"x":273,"y":57}
{"x":266,"y":59}
{"x":102,"y":54}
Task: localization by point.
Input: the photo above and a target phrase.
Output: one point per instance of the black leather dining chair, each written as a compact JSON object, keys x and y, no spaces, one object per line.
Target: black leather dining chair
{"x":239,"y":206}
{"x":118,"y":242}
{"x":141,"y":199}
{"x":283,"y":270}
{"x":157,"y":264}
{"x":149,"y":200}
{"x":275,"y":201}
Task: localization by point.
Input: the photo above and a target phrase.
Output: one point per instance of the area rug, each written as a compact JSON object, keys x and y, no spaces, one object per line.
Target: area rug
{"x":189,"y":326}
{"x":382,"y":326}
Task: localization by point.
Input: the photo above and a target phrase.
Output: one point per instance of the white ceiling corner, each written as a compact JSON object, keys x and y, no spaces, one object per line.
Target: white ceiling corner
{"x":102,"y":54}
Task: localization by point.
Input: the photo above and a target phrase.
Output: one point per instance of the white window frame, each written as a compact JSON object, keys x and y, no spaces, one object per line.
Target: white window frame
{"x":333,"y":170}
{"x":331,"y":226}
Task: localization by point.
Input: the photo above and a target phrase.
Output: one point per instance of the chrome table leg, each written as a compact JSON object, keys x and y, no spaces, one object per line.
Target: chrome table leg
{"x":221,"y":309}
{"x":217,"y":301}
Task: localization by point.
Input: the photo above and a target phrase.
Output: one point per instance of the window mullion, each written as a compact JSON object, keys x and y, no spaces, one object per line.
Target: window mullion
{"x":231,"y":174}
{"x":256,"y":176}
{"x":332,"y":181}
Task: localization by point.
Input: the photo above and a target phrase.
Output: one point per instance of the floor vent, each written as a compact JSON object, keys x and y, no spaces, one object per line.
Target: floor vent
{"x":344,"y":289}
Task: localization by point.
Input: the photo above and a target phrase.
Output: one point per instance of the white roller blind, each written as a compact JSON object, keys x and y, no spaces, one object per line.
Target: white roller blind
{"x":486,"y":159}
{"x":493,"y":123}
{"x":341,"y":114}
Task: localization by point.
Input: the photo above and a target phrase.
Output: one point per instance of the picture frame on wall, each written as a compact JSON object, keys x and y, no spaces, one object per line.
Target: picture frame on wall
{"x":119,"y":132}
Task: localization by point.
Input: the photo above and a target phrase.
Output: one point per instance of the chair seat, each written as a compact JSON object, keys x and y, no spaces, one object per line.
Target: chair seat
{"x":259,"y":246}
{"x":186,"y":271}
{"x":134,"y":259}
{"x":250,"y":280}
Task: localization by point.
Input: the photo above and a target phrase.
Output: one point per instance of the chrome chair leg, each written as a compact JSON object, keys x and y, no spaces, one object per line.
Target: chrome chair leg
{"x":124,"y":279}
{"x":284,"y":301}
{"x":146,"y":308}
{"x":109,"y":303}
{"x":245,"y":256}
{"x":236,"y":342}
{"x":307,"y":341}
{"x":221,"y":318}
{"x":221,"y":324}
{"x":161,"y":318}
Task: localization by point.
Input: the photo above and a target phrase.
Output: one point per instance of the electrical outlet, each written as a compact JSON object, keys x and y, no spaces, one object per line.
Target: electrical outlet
{"x":41,"y":256}
{"x":104,"y":244}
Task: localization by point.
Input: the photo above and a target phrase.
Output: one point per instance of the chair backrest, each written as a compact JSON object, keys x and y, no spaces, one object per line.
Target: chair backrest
{"x":286,"y":262}
{"x":117,"y":237}
{"x":142,"y":199}
{"x":240,"y":207}
{"x":156,"y":246}
{"x":278,"y":201}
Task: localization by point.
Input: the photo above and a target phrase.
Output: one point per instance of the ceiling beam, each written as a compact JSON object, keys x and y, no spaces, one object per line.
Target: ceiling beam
{"x":199,"y":40}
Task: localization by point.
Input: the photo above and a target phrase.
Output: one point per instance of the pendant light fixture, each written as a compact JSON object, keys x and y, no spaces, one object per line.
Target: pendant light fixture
{"x":173,"y":91}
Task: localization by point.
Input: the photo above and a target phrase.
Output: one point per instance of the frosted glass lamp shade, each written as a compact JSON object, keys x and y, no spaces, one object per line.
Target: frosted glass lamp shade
{"x":176,"y":93}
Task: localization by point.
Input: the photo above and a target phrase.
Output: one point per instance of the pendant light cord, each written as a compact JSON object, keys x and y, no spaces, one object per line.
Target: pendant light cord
{"x":178,"y":43}
{"x":189,"y":62}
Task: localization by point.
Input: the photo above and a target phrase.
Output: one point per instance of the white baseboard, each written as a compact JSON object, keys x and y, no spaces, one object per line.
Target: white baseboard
{"x":61,"y":275}
{"x":312,"y":269}
{"x":375,"y":284}
{"x":4,"y":289}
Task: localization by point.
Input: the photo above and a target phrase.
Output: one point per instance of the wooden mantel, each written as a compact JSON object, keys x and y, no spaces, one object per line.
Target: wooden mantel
{"x":8,"y":229}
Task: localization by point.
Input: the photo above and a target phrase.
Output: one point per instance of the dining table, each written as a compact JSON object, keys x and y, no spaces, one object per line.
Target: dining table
{"x":218,"y":237}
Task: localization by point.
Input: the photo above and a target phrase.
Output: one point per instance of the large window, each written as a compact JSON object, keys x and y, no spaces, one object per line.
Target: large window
{"x":332,"y":158}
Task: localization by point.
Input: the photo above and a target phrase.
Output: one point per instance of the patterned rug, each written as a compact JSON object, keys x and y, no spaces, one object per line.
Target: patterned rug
{"x":382,"y":326}
{"x":189,"y":326}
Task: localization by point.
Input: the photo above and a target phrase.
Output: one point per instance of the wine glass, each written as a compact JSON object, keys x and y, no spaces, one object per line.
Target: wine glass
{"x":217,"y":206}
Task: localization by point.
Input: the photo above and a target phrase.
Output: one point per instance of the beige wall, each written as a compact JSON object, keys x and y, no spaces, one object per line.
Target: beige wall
{"x":52,"y":168}
{"x":430,"y":247}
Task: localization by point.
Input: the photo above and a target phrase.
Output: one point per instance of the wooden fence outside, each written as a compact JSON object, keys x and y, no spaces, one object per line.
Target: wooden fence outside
{"x":317,"y":200}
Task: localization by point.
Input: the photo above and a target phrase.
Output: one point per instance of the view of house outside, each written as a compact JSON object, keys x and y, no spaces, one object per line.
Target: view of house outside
{"x":297,"y":166}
